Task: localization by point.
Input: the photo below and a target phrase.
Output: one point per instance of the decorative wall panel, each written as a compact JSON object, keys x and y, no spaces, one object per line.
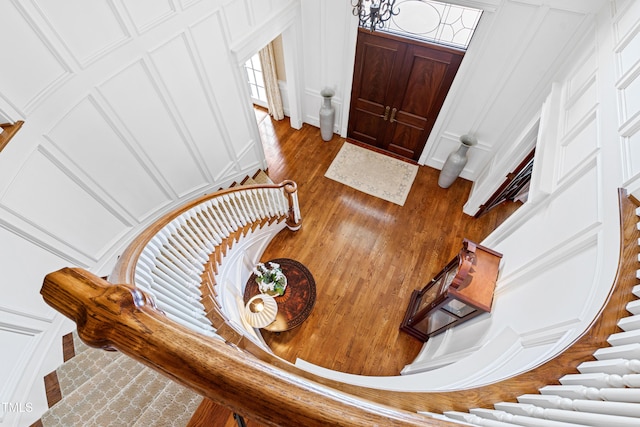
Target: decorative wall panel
{"x":98,"y":32}
{"x":579,"y":145}
{"x":39,"y":69}
{"x":627,"y":37}
{"x":26,"y":273}
{"x":146,"y":14}
{"x":62,"y":208}
{"x":136,"y":99}
{"x":190,"y":93}
{"x":22,"y":342}
{"x":94,"y":145}
{"x":224,"y":77}
{"x":236,"y":12}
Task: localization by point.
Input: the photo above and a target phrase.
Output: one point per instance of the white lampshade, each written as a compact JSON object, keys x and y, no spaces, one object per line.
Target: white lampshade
{"x":261,"y":310}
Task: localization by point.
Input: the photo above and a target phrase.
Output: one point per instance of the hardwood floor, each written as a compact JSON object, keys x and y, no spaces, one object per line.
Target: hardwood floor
{"x":367,"y":255}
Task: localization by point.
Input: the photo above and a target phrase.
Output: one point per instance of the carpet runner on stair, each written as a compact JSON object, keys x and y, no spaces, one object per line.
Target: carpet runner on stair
{"x":103,"y":388}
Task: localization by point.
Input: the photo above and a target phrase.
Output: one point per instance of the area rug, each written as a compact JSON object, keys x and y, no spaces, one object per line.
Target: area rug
{"x":373,"y":173}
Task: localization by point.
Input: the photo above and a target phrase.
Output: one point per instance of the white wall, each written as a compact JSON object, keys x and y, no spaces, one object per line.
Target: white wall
{"x":130,"y":109}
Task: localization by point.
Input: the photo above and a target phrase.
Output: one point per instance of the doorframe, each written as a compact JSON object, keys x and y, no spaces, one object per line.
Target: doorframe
{"x":458,"y":86}
{"x":492,"y":176}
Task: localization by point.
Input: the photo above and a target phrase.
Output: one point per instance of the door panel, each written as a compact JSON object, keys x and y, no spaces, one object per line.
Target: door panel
{"x":410,"y":77}
{"x":372,"y":80}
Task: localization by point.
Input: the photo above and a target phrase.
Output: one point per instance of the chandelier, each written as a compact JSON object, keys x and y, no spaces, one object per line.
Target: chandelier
{"x":373,"y":13}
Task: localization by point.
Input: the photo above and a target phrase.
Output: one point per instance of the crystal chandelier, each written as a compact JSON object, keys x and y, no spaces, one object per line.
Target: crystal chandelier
{"x":373,"y":13}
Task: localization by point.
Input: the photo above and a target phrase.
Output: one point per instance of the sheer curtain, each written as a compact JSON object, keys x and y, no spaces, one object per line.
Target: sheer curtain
{"x":274,"y":100}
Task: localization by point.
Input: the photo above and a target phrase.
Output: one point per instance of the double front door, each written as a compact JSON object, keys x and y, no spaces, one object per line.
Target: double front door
{"x":399,"y":87}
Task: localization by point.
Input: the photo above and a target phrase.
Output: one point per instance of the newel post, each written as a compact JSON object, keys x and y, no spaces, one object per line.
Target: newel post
{"x":294,"y":221}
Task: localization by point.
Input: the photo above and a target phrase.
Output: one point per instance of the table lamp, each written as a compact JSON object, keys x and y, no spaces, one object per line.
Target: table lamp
{"x":261,"y":310}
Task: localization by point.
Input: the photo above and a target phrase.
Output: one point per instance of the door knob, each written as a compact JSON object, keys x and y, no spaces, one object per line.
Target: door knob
{"x":393,"y":115}
{"x":386,"y":113}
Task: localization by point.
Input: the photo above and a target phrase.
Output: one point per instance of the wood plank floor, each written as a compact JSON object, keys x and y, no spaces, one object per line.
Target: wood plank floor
{"x":367,"y":255}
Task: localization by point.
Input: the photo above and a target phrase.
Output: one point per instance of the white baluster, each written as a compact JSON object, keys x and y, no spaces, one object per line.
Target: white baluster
{"x":518,"y":419}
{"x":475,"y":420}
{"x":200,"y":219}
{"x":296,"y":208}
{"x":593,"y":380}
{"x":249,"y":205}
{"x":596,"y":406}
{"x":581,"y":418}
{"x":236,"y":199}
{"x":256,"y":196}
{"x":266,"y":202}
{"x":628,"y":351}
{"x":622,"y":338}
{"x":184,"y":229}
{"x":592,"y":393}
{"x":228,"y":214}
{"x":611,"y":366}
{"x":179,"y":277}
{"x":629,"y":323}
{"x":215,"y":222}
{"x":221,"y":217}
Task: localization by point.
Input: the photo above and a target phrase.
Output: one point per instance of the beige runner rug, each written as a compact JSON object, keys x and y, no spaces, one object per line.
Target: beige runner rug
{"x":373,"y":173}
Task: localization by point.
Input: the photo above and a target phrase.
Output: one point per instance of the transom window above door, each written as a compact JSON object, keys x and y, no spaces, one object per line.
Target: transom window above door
{"x":430,"y":21}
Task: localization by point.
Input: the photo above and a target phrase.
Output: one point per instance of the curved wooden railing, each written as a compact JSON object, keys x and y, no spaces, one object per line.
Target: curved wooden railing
{"x":176,"y":259}
{"x":122,"y":317}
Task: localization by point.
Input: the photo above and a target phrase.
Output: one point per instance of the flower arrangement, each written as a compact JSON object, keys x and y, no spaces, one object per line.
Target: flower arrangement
{"x":270,"y":279}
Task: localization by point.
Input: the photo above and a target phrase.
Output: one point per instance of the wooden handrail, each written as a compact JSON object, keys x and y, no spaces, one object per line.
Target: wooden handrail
{"x":9,"y":130}
{"x":124,"y":270}
{"x":548,"y":373}
{"x":122,"y":317}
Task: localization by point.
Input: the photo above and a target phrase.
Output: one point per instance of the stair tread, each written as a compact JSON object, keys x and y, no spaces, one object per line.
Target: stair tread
{"x":75,"y":408}
{"x":173,"y":407}
{"x":262,"y":178}
{"x":128,"y":403}
{"x":79,"y":369}
{"x":78,"y":345}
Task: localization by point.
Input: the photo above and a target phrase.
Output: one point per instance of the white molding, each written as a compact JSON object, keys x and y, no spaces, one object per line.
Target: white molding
{"x":549,"y":335}
{"x":141,"y":29}
{"x":85,"y":62}
{"x":561,"y":251}
{"x":103,"y":108}
{"x":293,"y":63}
{"x":172,"y":106}
{"x":76,"y":174}
{"x":268,"y":30}
{"x":207,"y":88}
{"x":55,"y":83}
{"x":32,"y":316}
{"x":9,"y":388}
{"x":127,"y":136}
{"x":20,"y":226}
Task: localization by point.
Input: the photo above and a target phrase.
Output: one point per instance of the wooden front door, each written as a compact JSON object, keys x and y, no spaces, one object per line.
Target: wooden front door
{"x":399,"y":86}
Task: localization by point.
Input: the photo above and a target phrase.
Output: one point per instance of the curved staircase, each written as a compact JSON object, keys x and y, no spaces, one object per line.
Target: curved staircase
{"x":592,"y":383}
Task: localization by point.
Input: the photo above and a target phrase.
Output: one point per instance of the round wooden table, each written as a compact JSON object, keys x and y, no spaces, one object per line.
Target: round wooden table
{"x":299,"y":296}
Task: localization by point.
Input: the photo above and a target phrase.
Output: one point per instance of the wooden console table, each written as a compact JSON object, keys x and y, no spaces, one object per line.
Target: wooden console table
{"x":299,"y":297}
